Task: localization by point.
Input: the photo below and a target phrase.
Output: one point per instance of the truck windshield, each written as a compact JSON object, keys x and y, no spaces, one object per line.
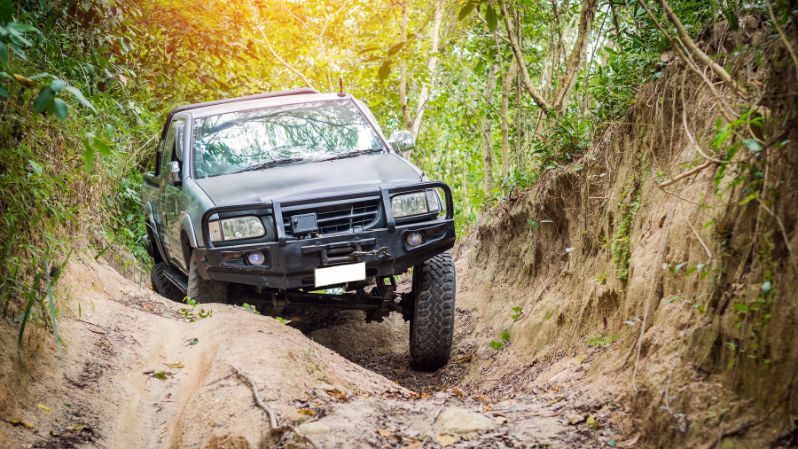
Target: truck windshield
{"x":280,"y":135}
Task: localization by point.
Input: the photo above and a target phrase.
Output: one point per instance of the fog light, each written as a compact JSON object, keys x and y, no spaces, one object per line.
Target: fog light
{"x":256,"y":258}
{"x":414,"y":238}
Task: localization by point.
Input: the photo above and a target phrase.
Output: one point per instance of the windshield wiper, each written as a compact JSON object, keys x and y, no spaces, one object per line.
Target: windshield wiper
{"x":270,"y":164}
{"x":352,"y":154}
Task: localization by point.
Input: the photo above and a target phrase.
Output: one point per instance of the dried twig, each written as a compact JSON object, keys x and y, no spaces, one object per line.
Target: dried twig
{"x":783,"y":37}
{"x":681,"y":176}
{"x":694,"y":141}
{"x":274,"y":428}
{"x":700,"y":240}
{"x":691,"y":46}
{"x":784,"y":234}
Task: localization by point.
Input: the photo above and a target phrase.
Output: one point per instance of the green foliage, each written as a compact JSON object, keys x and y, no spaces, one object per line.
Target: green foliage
{"x":85,"y":84}
{"x":282,"y":320}
{"x":621,"y":243}
{"x":604,"y":341}
{"x":250,"y":308}
{"x":503,"y":341}
{"x":518,"y":313}
{"x":193,"y":313}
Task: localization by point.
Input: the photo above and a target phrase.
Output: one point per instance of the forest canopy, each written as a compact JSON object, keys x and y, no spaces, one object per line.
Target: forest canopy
{"x":497,"y":92}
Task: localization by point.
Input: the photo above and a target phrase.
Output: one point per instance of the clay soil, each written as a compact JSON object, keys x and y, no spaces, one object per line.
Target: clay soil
{"x":134,"y":372}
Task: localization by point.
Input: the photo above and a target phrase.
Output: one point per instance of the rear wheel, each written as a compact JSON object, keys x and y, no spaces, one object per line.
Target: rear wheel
{"x":432,"y":321}
{"x":204,"y":291}
{"x":162,"y":285}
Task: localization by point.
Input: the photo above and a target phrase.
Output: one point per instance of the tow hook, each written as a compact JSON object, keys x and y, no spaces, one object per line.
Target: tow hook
{"x":381,"y":253}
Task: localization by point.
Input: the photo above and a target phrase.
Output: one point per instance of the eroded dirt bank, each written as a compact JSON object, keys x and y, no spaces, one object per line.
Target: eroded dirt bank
{"x":135,"y":374}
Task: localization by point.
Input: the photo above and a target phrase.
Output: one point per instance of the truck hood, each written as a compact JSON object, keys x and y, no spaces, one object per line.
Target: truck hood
{"x":309,"y":179}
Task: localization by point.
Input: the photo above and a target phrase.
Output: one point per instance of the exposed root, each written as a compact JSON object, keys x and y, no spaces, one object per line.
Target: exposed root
{"x":275,"y":429}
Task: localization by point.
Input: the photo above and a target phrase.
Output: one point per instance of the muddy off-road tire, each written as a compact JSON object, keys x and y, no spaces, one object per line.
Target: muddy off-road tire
{"x":204,"y":291}
{"x":162,"y":285}
{"x":432,"y":321}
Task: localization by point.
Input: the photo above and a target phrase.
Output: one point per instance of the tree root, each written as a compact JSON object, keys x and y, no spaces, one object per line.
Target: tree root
{"x":275,"y":429}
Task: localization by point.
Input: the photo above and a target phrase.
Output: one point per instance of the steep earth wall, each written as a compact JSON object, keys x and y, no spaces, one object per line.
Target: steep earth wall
{"x":676,"y":293}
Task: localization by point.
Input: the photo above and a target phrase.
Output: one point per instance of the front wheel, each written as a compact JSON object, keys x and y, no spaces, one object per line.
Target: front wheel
{"x":162,"y":285}
{"x":432,"y":321}
{"x":205,"y":291}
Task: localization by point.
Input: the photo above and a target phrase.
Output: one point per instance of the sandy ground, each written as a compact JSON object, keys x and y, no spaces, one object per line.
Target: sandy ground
{"x":135,"y":372}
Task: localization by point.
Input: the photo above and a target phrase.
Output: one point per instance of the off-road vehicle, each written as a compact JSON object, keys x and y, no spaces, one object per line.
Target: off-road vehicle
{"x":296,"y":199}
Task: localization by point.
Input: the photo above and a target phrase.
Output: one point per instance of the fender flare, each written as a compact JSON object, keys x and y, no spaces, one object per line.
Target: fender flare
{"x":187,"y":226}
{"x":150,"y":223}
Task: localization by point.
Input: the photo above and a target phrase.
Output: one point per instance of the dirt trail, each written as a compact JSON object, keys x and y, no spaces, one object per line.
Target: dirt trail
{"x":136,"y":374}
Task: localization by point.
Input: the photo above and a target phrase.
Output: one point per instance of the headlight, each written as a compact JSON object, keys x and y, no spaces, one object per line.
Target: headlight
{"x":415,"y":203}
{"x":433,"y":201}
{"x":237,"y":228}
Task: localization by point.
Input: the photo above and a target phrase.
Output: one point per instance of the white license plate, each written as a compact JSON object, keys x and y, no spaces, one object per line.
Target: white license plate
{"x":340,"y":274}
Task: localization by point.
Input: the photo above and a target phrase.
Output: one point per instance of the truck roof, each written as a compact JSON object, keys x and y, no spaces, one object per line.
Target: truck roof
{"x":232,"y":104}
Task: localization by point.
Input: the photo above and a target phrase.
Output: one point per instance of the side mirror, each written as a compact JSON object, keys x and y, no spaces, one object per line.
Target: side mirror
{"x":402,"y":141}
{"x":174,"y":173}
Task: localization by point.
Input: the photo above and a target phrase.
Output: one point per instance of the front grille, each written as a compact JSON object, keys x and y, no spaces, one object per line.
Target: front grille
{"x":338,"y":218}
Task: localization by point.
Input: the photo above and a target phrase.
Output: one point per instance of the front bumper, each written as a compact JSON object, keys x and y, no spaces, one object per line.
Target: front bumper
{"x":290,"y":263}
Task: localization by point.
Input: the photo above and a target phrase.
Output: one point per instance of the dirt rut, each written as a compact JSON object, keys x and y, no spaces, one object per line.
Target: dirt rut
{"x":139,"y":371}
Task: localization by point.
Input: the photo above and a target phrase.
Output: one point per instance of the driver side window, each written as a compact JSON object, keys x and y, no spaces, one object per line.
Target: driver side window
{"x":173,"y":145}
{"x":166,"y":152}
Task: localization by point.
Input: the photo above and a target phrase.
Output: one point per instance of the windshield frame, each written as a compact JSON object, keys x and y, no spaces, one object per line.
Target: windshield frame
{"x":385,"y":147}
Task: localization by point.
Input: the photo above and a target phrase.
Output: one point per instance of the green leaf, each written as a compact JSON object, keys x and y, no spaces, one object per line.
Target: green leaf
{"x":3,"y":53}
{"x":88,"y":158}
{"x":6,"y":11}
{"x":79,"y":95}
{"x":395,"y":48}
{"x":505,"y":336}
{"x":466,"y":10}
{"x":3,"y":91}
{"x":35,"y":167}
{"x":491,"y":18}
{"x":740,"y":307}
{"x":44,"y":100}
{"x":385,"y":69}
{"x":750,"y":197}
{"x":60,"y":108}
{"x":496,"y":344}
{"x":18,"y":31}
{"x":57,"y":84}
{"x":753,"y":145}
{"x":367,"y":50}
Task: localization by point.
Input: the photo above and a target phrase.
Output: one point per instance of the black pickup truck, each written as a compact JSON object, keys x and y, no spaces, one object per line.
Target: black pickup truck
{"x":296,"y":199}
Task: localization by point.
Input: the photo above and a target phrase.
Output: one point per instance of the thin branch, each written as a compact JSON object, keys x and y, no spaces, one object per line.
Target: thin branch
{"x":283,"y":61}
{"x":693,"y":141}
{"x":677,"y":45}
{"x":274,"y":428}
{"x":697,"y":52}
{"x":686,"y":174}
{"x":536,"y":96}
{"x":700,"y":240}
{"x":784,"y":234}
{"x":783,"y":37}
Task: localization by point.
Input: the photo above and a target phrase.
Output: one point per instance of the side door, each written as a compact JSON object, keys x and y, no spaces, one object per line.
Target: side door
{"x":174,"y":201}
{"x":151,"y":194}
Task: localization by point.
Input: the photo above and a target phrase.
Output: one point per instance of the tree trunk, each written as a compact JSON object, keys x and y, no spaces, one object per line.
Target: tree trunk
{"x":519,"y":56}
{"x":575,"y":58}
{"x":408,"y":122}
{"x":507,"y":84}
{"x":432,"y":65}
{"x":487,"y":134}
